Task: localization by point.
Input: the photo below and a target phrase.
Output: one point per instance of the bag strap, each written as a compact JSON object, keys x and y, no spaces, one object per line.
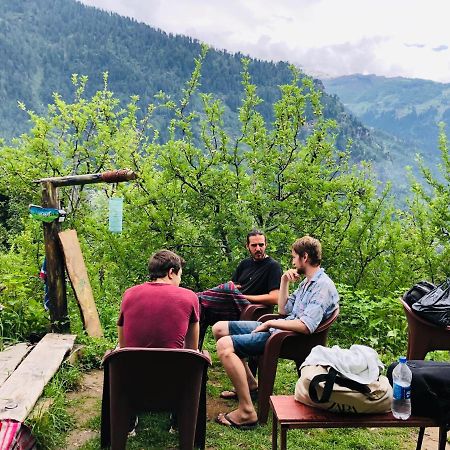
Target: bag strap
{"x":330,"y":378}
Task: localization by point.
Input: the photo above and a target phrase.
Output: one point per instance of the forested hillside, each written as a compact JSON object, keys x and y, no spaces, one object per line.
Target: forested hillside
{"x":43,"y":42}
{"x":409,"y":109}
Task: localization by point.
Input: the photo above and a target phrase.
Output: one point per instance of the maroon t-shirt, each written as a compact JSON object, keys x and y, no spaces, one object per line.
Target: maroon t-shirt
{"x":157,"y":315}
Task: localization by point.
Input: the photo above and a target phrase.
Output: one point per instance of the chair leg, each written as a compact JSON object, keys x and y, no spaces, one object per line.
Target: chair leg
{"x":120,"y":418}
{"x":187,"y":414}
{"x":417,"y":348}
{"x":442,"y":437}
{"x":420,"y":438}
{"x":266,"y":380}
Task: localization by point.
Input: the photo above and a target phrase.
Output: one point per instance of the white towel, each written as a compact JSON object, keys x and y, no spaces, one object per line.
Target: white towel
{"x":359,"y":363}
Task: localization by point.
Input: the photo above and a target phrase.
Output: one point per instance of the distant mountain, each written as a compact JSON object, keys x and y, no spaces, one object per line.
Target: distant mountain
{"x":409,"y":109}
{"x":43,"y":42}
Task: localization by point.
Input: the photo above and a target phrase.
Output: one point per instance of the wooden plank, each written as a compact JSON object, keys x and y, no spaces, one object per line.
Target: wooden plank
{"x":23,"y":388}
{"x":10,"y":358}
{"x":78,"y":275}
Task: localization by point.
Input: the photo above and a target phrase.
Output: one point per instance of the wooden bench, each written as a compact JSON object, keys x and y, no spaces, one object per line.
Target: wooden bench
{"x":290,"y":414}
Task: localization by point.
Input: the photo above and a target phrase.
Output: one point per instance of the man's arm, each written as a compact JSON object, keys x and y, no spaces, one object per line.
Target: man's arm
{"x":191,"y":340}
{"x":265,"y":299}
{"x":290,"y":275}
{"x":120,"y":334}
{"x":286,"y":325}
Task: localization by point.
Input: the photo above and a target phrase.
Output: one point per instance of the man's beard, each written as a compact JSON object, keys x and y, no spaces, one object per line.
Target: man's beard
{"x":301,"y":270}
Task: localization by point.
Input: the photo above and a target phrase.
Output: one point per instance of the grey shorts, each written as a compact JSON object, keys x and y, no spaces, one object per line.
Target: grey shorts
{"x":245,"y":342}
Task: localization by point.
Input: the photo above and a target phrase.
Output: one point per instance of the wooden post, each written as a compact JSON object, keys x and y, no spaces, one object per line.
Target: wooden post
{"x":55,"y":263}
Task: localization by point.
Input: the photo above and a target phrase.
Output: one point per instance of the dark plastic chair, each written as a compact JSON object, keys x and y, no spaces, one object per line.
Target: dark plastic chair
{"x":254,"y":311}
{"x":154,"y":379}
{"x":424,"y":336}
{"x":285,"y":345}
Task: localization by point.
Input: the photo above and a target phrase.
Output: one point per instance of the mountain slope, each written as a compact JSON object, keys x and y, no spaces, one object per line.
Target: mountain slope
{"x":409,"y":109}
{"x":42,"y":42}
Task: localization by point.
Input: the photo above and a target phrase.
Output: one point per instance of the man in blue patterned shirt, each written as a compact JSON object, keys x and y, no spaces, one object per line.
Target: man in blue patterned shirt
{"x":311,"y":303}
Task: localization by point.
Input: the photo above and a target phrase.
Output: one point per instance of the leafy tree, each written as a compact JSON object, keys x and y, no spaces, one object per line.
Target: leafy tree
{"x":200,"y":189}
{"x":428,"y":219}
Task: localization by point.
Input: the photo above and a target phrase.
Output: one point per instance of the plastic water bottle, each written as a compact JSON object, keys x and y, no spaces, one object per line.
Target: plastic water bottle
{"x":401,"y":401}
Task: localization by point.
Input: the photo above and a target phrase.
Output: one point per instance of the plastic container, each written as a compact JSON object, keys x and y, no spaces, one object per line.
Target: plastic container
{"x":401,"y":400}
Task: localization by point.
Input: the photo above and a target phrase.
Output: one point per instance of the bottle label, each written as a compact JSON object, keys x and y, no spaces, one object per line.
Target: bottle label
{"x":401,"y":392}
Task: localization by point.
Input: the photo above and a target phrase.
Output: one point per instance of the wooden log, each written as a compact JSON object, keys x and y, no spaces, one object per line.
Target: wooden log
{"x":56,"y":282}
{"x":10,"y":358}
{"x":22,"y":389}
{"x":79,"y":279}
{"x":112,"y":176}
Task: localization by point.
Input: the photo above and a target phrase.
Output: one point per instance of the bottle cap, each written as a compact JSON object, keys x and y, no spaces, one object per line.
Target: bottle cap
{"x":402,"y":359}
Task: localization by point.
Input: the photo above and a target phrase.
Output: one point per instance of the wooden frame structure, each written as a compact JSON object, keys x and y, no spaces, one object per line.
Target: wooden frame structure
{"x":53,"y":251}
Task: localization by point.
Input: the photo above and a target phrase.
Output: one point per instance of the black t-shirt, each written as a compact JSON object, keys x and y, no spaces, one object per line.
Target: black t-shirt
{"x":257,"y":277}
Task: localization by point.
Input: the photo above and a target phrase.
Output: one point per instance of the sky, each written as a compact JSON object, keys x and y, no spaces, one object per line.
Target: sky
{"x":325,"y":38}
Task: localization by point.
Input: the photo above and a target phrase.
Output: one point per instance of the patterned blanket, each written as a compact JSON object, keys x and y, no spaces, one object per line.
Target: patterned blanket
{"x":223,"y":302}
{"x":16,"y":436}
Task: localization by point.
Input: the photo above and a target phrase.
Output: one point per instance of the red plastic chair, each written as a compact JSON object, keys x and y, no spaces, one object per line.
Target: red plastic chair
{"x":285,"y":345}
{"x":424,"y":336}
{"x":154,"y":379}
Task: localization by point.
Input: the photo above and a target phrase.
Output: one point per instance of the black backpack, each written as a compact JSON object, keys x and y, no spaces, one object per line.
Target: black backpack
{"x":417,"y":292}
{"x":430,"y":389}
{"x":435,"y":306}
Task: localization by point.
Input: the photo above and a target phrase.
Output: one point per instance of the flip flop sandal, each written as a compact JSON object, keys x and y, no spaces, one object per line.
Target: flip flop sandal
{"x":231,"y":395}
{"x":233,"y":424}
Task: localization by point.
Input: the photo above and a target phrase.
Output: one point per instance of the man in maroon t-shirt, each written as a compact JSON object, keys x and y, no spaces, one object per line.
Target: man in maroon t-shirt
{"x":159,"y":313}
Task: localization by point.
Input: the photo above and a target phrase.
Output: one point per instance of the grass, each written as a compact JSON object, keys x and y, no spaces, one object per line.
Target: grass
{"x":51,"y":428}
{"x":152,"y":431}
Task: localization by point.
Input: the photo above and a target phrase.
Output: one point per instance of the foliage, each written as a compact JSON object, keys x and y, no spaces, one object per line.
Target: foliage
{"x":200,"y":190}
{"x":428,"y":218}
{"x":373,"y":320}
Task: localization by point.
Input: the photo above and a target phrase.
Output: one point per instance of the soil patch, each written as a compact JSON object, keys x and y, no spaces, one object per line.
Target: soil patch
{"x":84,"y":407}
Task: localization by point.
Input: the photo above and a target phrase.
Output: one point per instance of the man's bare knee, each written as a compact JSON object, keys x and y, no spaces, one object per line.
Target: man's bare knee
{"x":220,"y":329}
{"x":224,"y":346}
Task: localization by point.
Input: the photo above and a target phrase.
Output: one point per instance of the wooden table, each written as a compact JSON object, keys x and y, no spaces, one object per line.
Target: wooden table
{"x":290,"y":414}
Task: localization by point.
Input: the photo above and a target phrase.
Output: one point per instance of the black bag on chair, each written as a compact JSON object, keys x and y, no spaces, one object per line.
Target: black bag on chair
{"x":430,"y":389}
{"x":417,"y":292}
{"x":435,"y":306}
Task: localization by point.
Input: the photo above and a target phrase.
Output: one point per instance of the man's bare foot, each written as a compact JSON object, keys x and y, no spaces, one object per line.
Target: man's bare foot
{"x":232,"y":395}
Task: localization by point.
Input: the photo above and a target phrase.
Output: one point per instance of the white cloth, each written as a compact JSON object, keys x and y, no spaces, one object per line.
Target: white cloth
{"x":359,"y":363}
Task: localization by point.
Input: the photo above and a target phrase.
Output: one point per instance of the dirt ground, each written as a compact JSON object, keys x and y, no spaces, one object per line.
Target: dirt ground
{"x":85,"y":406}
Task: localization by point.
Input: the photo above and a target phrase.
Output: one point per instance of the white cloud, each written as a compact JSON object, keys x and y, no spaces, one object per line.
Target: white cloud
{"x":392,"y":38}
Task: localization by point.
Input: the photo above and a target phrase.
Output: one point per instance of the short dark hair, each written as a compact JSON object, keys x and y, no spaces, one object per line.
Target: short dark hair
{"x":162,"y":261}
{"x":310,"y":245}
{"x":255,"y":232}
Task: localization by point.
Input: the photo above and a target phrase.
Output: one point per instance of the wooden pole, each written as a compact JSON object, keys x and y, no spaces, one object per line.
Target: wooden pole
{"x":113,"y":176}
{"x":56,"y":283}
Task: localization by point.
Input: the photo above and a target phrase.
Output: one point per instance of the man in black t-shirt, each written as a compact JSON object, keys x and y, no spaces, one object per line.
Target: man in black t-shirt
{"x":255,"y":280}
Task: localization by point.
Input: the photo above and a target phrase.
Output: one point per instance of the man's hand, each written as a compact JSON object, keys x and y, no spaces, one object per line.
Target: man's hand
{"x":291,"y":275}
{"x":263,"y":327}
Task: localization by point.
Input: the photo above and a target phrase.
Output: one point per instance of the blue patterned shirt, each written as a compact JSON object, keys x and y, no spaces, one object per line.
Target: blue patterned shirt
{"x":313,"y":301}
